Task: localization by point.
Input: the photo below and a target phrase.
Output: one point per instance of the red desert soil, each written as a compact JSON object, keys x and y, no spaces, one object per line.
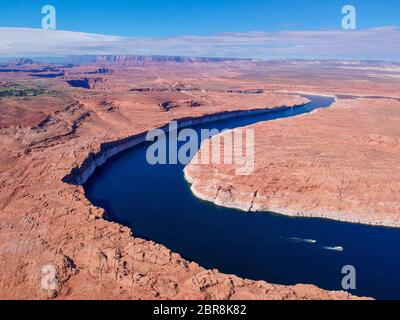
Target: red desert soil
{"x":340,"y":163}
{"x":45,"y":221}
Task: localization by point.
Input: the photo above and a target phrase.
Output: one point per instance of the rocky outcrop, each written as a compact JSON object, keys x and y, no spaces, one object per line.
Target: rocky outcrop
{"x":107,"y":105}
{"x":166,"y":106}
{"x":193,"y":103}
{"x":103,"y":71}
{"x":59,"y":125}
{"x":246,"y":91}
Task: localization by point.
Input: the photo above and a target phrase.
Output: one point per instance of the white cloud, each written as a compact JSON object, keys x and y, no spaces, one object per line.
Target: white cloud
{"x":377,"y":43}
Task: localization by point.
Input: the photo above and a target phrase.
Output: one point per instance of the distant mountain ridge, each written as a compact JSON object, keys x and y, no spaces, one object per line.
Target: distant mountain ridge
{"x":21,"y":62}
{"x":137,"y":59}
{"x":142,"y":60}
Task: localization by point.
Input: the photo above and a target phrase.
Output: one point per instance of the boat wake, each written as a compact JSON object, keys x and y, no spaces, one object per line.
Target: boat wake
{"x":337,"y":248}
{"x":304,"y":240}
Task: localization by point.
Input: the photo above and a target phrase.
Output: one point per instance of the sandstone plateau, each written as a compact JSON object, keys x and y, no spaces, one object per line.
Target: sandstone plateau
{"x":47,"y":134}
{"x":340,"y":163}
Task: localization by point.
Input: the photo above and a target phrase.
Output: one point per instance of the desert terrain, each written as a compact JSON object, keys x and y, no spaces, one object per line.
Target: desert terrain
{"x":339,"y":163}
{"x":54,"y":117}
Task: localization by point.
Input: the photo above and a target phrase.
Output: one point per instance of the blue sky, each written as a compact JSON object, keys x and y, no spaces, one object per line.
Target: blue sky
{"x":264,"y":29}
{"x":165,"y":18}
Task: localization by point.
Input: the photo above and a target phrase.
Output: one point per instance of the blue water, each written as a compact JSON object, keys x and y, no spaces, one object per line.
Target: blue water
{"x":157,"y":204}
